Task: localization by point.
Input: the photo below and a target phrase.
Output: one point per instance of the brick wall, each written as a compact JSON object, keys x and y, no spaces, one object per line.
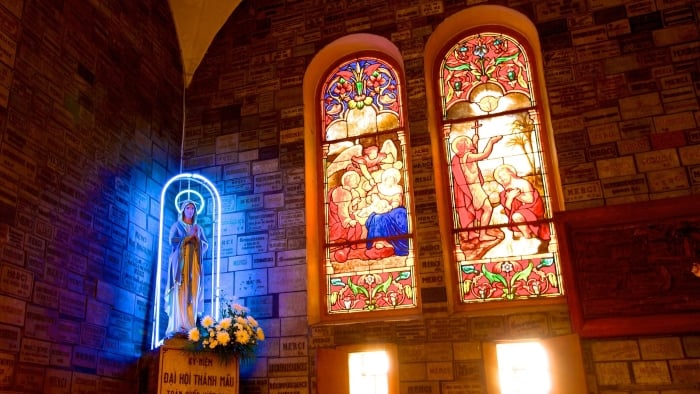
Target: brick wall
{"x":622,"y":93}
{"x":90,"y":113}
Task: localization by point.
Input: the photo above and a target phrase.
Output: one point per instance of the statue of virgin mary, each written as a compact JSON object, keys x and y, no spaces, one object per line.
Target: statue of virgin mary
{"x":184,"y":297}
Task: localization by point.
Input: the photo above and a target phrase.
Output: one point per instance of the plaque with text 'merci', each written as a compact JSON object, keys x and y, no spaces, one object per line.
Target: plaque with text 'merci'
{"x":172,"y":369}
{"x":632,"y":269}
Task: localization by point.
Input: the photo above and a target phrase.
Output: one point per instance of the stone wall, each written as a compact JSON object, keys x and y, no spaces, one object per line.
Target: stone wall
{"x":90,"y":129}
{"x":623,"y":98}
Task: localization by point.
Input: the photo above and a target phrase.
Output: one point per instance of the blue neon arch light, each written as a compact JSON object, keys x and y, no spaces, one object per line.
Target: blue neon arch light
{"x":208,"y":186}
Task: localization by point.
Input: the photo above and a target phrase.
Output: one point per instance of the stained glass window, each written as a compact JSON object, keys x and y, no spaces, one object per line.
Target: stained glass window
{"x":503,"y":237}
{"x":369,"y":253}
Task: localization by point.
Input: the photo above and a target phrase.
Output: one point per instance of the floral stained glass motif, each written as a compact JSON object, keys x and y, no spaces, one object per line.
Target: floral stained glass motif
{"x":504,"y":240}
{"x":369,"y":236}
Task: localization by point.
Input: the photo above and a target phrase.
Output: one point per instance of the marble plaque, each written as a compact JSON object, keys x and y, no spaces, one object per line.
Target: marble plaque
{"x":440,"y":371}
{"x":583,"y":191}
{"x":84,"y":383}
{"x":9,"y":338}
{"x":67,"y":331}
{"x":35,"y":351}
{"x":288,"y":366}
{"x":488,"y":327}
{"x":248,"y":244}
{"x":291,"y":385}
{"x":84,"y":357}
{"x":528,"y":326}
{"x":290,"y":218}
{"x":635,"y":145}
{"x":578,"y":173}
{"x":616,"y":167}
{"x":462,"y":388}
{"x":12,"y":310}
{"x":7,"y":369}
{"x":657,"y":160}
{"x":72,"y":304}
{"x":8,"y":50}
{"x":289,"y":278}
{"x":264,"y":166}
{"x":410,"y":333}
{"x":270,"y":182}
{"x":248,"y":202}
{"x":233,"y":223}
{"x":92,"y":335}
{"x":237,"y":170}
{"x":250,"y":283}
{"x":420,"y":387}
{"x":668,"y":180}
{"x":40,"y":322}
{"x":292,"y":304}
{"x":264,"y":260}
{"x":623,"y":186}
{"x":238,"y":263}
{"x":28,"y":378}
{"x":261,"y":306}
{"x":293,"y":346}
{"x":16,"y":281}
{"x":60,"y":355}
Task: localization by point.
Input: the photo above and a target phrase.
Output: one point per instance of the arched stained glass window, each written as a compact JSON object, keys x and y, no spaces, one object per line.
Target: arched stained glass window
{"x":503,"y":236}
{"x":368,"y":248}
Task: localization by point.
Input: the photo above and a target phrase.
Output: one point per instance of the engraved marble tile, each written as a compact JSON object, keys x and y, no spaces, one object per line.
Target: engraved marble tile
{"x":440,"y":371}
{"x":583,"y":191}
{"x":616,"y":167}
{"x":651,"y":372}
{"x":615,"y":350}
{"x":667,"y":180}
{"x":661,"y":348}
{"x":612,"y":373}
{"x":685,"y":371}
{"x":624,"y":186}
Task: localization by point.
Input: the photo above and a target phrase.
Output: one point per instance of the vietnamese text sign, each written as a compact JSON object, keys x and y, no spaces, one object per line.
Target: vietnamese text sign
{"x":181,"y":371}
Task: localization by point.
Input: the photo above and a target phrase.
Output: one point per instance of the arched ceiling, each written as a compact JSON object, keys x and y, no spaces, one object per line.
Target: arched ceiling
{"x":197,"y":22}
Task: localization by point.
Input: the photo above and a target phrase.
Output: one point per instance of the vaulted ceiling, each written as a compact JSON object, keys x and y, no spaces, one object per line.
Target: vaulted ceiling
{"x":197,"y":22}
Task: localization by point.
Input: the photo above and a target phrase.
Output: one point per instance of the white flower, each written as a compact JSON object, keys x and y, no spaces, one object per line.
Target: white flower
{"x":207,"y":321}
{"x":193,"y":334}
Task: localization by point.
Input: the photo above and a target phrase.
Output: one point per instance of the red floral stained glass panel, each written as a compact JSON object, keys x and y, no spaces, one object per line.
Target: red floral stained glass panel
{"x":484,"y":74}
{"x":504,"y":241}
{"x":369,"y":254}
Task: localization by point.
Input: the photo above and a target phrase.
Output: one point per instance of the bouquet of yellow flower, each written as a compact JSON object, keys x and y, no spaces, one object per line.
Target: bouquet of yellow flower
{"x":236,"y":334}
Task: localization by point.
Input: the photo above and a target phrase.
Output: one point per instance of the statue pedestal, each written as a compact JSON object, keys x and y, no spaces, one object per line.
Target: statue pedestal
{"x":173,"y":369}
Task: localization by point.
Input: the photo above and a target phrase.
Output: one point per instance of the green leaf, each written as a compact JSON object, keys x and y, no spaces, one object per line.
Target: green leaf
{"x":493,"y":277}
{"x":383,"y":286}
{"x":357,"y":289}
{"x":506,"y":58}
{"x":461,"y":67}
{"x":522,"y":274}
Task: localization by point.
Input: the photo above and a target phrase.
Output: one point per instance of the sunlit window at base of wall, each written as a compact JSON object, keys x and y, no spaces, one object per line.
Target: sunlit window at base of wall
{"x":523,"y":368}
{"x":369,"y":372}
